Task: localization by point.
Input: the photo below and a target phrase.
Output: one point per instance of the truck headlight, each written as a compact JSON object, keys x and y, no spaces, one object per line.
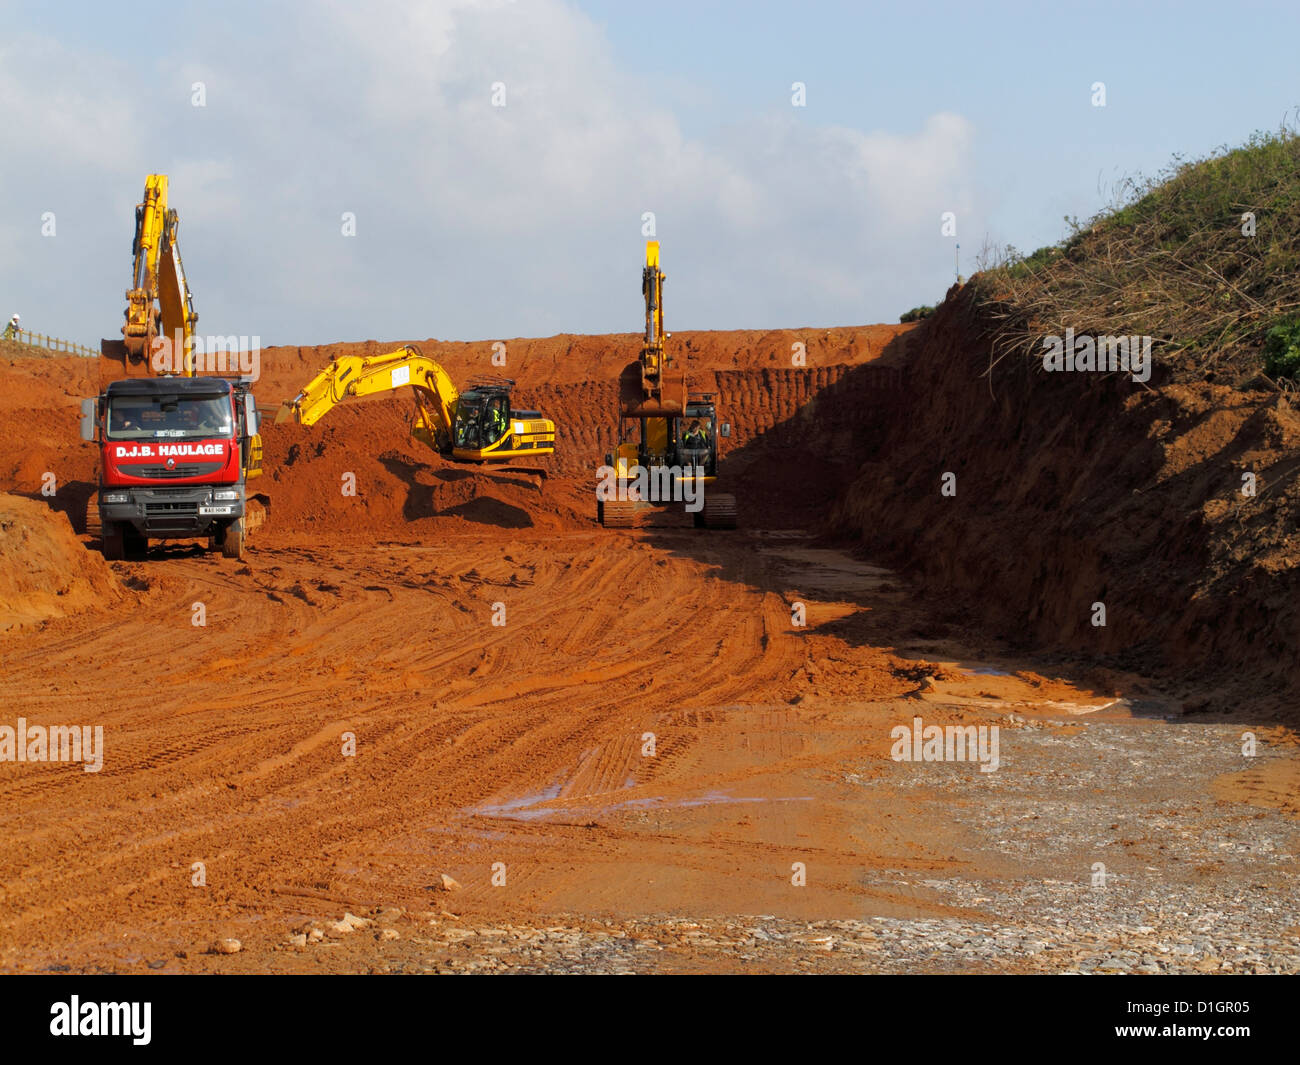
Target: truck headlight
{"x":229,"y":494}
{"x":115,"y":497}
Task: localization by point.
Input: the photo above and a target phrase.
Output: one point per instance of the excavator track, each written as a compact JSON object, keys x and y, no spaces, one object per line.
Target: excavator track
{"x":519,"y":471}
{"x":719,"y":512}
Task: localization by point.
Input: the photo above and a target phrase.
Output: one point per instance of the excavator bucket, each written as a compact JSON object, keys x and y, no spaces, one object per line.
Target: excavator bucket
{"x":635,"y":400}
{"x":116,"y":362}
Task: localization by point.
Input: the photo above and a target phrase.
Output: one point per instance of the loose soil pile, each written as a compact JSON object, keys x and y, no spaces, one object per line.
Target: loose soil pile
{"x":45,"y":572}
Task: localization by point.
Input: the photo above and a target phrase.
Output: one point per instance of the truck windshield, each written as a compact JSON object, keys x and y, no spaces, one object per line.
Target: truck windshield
{"x":170,"y":417}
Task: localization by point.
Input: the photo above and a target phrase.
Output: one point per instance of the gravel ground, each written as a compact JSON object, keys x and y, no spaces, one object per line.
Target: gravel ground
{"x":1191,"y":884}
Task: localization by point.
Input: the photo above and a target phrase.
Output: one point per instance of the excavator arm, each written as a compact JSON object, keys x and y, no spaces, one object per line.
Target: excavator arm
{"x":653,"y":385}
{"x":354,"y":377}
{"x":158,"y":303}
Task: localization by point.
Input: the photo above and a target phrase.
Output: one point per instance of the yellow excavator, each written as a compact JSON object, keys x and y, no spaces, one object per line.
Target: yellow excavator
{"x":160,"y":316}
{"x":477,"y":425}
{"x":667,"y":449}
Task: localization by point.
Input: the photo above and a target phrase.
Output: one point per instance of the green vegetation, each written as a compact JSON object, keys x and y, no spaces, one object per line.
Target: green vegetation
{"x":1282,"y":350}
{"x":1204,"y":257}
{"x":916,"y":313}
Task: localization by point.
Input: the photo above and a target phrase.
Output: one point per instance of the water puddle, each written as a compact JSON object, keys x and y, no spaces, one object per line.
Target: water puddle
{"x":522,"y":808}
{"x":531,"y":808}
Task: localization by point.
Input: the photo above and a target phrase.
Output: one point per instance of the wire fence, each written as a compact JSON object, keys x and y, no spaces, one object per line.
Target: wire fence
{"x":40,"y":340}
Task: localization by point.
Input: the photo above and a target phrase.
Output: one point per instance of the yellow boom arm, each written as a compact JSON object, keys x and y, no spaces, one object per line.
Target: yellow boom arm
{"x":652,"y":386}
{"x":158,"y":303}
{"x":354,"y":377}
{"x":652,"y":287}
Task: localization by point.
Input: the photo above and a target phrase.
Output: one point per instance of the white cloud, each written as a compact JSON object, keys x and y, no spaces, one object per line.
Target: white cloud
{"x":473,"y":221}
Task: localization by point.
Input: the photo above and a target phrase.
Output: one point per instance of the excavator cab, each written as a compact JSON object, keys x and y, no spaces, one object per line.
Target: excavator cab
{"x":697,"y":435}
{"x":486,"y":428}
{"x":482,"y":417}
{"x":689,"y":440}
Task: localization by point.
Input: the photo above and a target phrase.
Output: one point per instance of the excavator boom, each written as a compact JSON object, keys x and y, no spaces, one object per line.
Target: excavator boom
{"x":354,"y":376}
{"x":159,"y":308}
{"x":653,"y":386}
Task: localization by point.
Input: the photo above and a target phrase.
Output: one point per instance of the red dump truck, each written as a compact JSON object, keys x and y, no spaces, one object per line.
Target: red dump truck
{"x":175,"y":458}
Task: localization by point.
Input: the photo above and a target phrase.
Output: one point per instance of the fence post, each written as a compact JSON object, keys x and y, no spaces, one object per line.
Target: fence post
{"x":44,"y":340}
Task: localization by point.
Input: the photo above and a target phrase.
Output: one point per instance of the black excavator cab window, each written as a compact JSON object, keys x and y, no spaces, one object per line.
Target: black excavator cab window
{"x":496,"y":417}
{"x":481,"y":419}
{"x":469,"y":412}
{"x":696,"y":439}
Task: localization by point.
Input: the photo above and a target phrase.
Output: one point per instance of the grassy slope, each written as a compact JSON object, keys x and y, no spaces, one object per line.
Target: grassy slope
{"x":1172,"y":262}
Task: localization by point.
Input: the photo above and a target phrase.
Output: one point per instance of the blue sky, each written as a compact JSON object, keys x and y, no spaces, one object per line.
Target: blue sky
{"x":475,"y":222}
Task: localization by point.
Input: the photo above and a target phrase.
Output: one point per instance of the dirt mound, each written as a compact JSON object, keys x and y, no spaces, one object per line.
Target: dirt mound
{"x":1073,"y":490}
{"x":362,"y":476}
{"x":49,"y":382}
{"x":45,"y":572}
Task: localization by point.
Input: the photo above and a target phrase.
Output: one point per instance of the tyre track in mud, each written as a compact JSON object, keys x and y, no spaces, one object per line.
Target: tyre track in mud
{"x":223,"y":743}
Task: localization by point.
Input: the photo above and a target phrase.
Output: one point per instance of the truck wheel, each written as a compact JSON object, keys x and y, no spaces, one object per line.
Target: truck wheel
{"x":232,"y":543}
{"x":94,"y":528}
{"x":114,"y":544}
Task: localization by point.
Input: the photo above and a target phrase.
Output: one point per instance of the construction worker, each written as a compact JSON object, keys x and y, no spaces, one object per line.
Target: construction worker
{"x":497,"y":420}
{"x":12,"y":329}
{"x":695,"y":439}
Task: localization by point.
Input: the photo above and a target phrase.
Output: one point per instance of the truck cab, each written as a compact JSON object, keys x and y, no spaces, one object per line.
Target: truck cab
{"x":175,"y":456}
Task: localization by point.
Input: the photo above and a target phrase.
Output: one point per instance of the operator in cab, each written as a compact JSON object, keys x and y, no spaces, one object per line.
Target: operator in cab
{"x":496,"y":419}
{"x":696,"y":437}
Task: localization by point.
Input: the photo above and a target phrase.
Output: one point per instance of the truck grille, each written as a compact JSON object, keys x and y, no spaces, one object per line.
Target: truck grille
{"x":171,"y":516}
{"x":189,"y":469}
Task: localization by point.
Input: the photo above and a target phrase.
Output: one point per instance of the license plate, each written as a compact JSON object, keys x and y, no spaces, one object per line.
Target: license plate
{"x":213,"y":512}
